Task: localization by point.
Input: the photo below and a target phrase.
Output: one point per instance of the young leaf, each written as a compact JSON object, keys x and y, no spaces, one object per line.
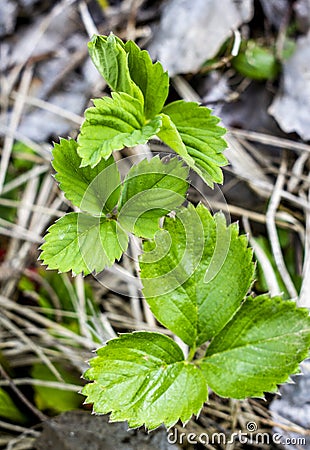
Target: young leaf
{"x":151,"y":189}
{"x":128,"y":69}
{"x":201,"y":136}
{"x":170,"y":135}
{"x":112,"y":124}
{"x":142,"y":377}
{"x":94,"y":190}
{"x":199,"y":280}
{"x":83,"y":243}
{"x":258,"y":349}
{"x":151,"y":78}
{"x":111,"y":61}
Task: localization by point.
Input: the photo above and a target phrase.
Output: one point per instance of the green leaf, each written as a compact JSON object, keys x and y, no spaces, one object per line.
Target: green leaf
{"x":258,"y":349}
{"x":22,"y":156}
{"x":127,"y":68}
{"x":53,"y":399}
{"x":83,"y":243}
{"x":151,"y":189}
{"x":94,"y":190}
{"x":256,"y":62}
{"x":196,"y":274}
{"x":142,"y":377}
{"x":112,"y":124}
{"x":151,"y":78}
{"x":8,"y":409}
{"x":170,"y":135}
{"x":201,"y":136}
{"x":111,"y":60}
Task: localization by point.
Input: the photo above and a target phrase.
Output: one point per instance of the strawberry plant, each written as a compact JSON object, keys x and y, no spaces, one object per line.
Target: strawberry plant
{"x":196,"y":271}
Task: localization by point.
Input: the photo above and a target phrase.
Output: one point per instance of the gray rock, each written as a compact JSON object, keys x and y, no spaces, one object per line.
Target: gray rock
{"x":241,"y":114}
{"x":294,"y":405}
{"x":30,"y":41}
{"x":78,"y":430}
{"x":217,"y":88}
{"x":70,"y":92}
{"x":291,"y":107}
{"x":189,"y":33}
{"x":8,"y":13}
{"x":40,"y":125}
{"x":302,"y":11}
{"x":27,"y":3}
{"x":275,"y":10}
{"x":32,"y":6}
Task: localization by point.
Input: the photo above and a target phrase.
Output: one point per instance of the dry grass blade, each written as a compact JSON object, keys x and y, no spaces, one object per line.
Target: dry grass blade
{"x":262,"y":258}
{"x":185,"y":90}
{"x":23,"y":178}
{"x":18,"y":232}
{"x":9,"y":325}
{"x":265,"y":189}
{"x":42,"y":199}
{"x":21,"y":56}
{"x":80,"y":306}
{"x":87,"y":19}
{"x":23,"y":216}
{"x":304,"y":298}
{"x":47,"y":106}
{"x":283,"y":220}
{"x":22,"y":442}
{"x":43,"y":383}
{"x":37,"y":225}
{"x":60,"y":330}
{"x":17,"y":428}
{"x":135,"y":303}
{"x":21,"y":396}
{"x":31,"y":207}
{"x":245,"y":166}
{"x":42,"y":150}
{"x":273,"y":141}
{"x":272,"y":230}
{"x":122,"y":274}
{"x":16,"y":115}
{"x":297,"y":171}
{"x":49,"y":289}
{"x":280,"y":421}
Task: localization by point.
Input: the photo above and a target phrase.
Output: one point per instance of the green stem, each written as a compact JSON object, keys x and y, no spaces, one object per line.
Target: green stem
{"x":191,"y":353}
